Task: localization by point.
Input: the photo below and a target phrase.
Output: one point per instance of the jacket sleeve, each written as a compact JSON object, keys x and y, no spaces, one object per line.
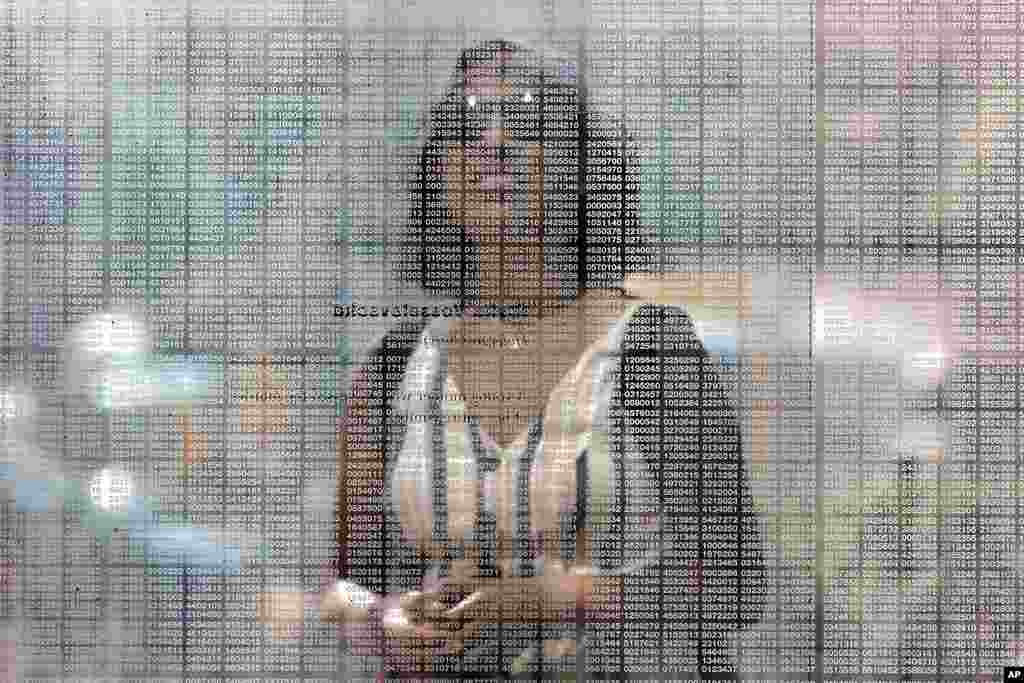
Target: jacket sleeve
{"x":370,"y":551}
{"x":710,"y":550}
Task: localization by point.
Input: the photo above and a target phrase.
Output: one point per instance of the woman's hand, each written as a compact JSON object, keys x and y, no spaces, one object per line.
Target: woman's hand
{"x":418,"y":629}
{"x":415,"y":626}
{"x":548,"y":598}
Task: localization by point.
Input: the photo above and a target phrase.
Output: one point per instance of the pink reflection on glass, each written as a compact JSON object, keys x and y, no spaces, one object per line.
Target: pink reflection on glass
{"x":983,"y":621}
{"x":864,"y":128}
{"x":917,"y":33}
{"x":8,"y":661}
{"x":878,"y":24}
{"x":926,"y":320}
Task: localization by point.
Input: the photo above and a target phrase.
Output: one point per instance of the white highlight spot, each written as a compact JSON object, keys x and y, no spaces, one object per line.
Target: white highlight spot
{"x":110,"y":488}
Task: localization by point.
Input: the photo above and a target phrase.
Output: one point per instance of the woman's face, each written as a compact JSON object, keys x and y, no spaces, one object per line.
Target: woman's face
{"x":495,"y":181}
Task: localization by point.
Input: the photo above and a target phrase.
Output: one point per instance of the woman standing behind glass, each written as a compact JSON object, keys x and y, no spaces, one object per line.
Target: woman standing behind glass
{"x":553,"y":480}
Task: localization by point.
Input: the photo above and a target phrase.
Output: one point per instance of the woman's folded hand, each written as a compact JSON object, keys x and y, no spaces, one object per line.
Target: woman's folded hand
{"x":417,"y":629}
{"x":551,"y":596}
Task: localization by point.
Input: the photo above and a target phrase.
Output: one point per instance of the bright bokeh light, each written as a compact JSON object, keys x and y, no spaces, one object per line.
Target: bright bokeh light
{"x":110,"y":488}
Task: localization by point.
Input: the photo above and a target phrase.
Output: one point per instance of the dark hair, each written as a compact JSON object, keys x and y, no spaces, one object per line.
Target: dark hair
{"x":606,"y":216}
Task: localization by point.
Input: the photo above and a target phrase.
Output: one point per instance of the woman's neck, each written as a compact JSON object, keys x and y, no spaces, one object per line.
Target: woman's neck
{"x":513,"y":279}
{"x":510,"y":272}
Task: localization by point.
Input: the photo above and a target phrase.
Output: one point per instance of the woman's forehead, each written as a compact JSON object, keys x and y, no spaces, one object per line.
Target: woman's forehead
{"x":481,"y":80}
{"x":502,"y":75}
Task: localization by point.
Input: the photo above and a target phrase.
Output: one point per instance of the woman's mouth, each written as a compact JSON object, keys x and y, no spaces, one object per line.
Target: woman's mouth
{"x":496,"y":182}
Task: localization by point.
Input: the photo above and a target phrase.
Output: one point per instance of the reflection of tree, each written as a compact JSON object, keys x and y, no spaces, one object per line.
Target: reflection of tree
{"x":40,"y":178}
{"x":399,"y":137}
{"x":678,"y":216}
{"x":845,"y":525}
{"x":156,"y":205}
